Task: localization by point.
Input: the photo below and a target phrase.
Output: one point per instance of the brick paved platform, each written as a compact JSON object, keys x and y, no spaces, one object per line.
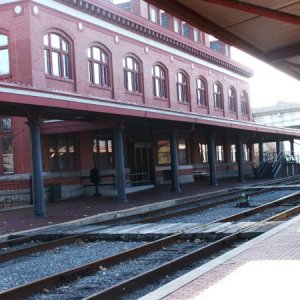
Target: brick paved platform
{"x":267,"y":267}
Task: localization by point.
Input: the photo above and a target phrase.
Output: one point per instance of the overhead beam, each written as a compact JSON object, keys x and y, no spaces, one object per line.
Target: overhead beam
{"x":195,"y":19}
{"x":258,"y":10}
{"x":284,"y":53}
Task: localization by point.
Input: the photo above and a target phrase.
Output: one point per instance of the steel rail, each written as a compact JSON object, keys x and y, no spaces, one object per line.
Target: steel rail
{"x":10,"y":255}
{"x":84,"y":270}
{"x":118,"y":290}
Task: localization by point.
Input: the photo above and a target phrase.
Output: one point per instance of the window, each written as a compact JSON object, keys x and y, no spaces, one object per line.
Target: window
{"x":62,"y":152}
{"x":159,"y":82}
{"x":220,"y":153}
{"x":4,"y":55}
{"x":153,"y":14}
{"x":186,"y":30}
{"x":201,"y":89}
{"x":197,"y":37}
{"x":164,"y":19}
{"x":57,"y":56}
{"x":246,"y":152}
{"x":244,"y":103}
{"x":103,"y":153}
{"x":203,"y":149}
{"x":7,"y":155}
{"x":182,"y":87}
{"x":233,"y":153}
{"x":177,"y":26}
{"x":5,"y":124}
{"x":164,"y":152}
{"x":98,"y":66}
{"x":232,"y":99}
{"x":218,"y":103}
{"x":182,"y":152}
{"x":132,"y":75}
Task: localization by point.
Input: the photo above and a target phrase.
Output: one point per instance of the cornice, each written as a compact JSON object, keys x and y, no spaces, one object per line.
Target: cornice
{"x":120,"y":20}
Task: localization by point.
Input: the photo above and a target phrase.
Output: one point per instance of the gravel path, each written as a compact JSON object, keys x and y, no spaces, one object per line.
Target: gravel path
{"x":107,"y":277}
{"x":39,"y":265}
{"x":228,"y":209}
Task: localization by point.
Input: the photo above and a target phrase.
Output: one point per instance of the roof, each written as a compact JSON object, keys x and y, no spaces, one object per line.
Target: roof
{"x":266,"y":29}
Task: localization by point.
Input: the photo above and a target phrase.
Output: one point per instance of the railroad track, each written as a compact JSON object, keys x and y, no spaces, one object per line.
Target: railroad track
{"x":142,"y":252}
{"x":35,"y":244}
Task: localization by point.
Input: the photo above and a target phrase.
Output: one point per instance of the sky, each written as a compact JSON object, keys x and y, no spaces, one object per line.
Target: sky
{"x":268,"y":85}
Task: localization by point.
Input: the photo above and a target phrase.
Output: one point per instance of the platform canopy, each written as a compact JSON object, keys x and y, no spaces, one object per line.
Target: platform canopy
{"x":266,"y":29}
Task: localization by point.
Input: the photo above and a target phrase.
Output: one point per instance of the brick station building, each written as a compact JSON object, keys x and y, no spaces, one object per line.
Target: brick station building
{"x":127,"y":89}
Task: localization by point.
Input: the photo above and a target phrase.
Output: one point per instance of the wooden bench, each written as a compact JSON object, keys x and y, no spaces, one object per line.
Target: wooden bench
{"x":200,"y":175}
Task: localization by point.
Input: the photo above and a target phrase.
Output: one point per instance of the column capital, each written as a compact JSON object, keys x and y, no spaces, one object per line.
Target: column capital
{"x":34,"y":124}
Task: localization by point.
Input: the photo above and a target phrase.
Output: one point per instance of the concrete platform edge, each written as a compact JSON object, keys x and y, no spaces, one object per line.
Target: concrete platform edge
{"x":114,"y":214}
{"x":176,"y":284}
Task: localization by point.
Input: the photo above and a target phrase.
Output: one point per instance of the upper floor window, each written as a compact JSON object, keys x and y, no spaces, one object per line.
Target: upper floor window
{"x":218,"y":101}
{"x":197,"y":36}
{"x":201,"y":91}
{"x":98,"y":66}
{"x":57,"y":56}
{"x":186,"y":28}
{"x":159,"y":81}
{"x":153,"y":14}
{"x":182,"y":87}
{"x":232,"y":99}
{"x":4,"y":55}
{"x":244,"y":103}
{"x":132,"y":75}
{"x":177,"y":26}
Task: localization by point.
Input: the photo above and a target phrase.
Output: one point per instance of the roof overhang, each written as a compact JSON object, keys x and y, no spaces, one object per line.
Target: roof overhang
{"x":25,"y":101}
{"x":268,"y":30}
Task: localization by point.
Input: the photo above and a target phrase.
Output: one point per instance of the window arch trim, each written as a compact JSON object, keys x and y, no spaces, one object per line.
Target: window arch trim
{"x":5,"y":57}
{"x":58,"y":55}
{"x":182,"y":87}
{"x":232,"y":99}
{"x":218,"y":96}
{"x":99,"y":70}
{"x":160,"y":85}
{"x":201,"y":91}
{"x":133,"y":74}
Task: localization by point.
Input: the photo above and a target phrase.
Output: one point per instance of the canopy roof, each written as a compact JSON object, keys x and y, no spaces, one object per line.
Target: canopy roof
{"x":266,"y":29}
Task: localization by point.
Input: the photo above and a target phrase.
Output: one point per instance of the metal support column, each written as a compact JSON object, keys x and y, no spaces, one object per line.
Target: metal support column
{"x":212,"y":159}
{"x":261,"y":150}
{"x":240,"y":159}
{"x":278,"y":146}
{"x":292,"y":147}
{"x":37,"y":169}
{"x":174,"y":163}
{"x":120,"y":168}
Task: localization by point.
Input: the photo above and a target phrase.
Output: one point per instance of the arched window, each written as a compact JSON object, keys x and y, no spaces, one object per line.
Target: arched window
{"x":132,"y":75}
{"x":159,"y":80}
{"x":4,"y":55}
{"x":98,"y":66}
{"x":244,"y":103}
{"x":201,"y":92}
{"x":232,"y":99}
{"x":218,"y":101}
{"x":182,"y":87}
{"x":57,"y":56}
